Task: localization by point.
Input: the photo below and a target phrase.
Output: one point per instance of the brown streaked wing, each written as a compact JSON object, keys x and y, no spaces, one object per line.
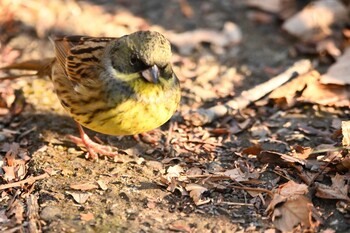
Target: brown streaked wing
{"x":79,"y":55}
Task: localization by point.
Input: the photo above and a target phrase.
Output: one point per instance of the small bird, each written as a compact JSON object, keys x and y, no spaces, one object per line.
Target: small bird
{"x":115,"y":86}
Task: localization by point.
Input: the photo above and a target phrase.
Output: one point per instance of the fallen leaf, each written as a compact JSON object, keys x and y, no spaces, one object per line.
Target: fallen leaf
{"x":345,"y":127}
{"x":285,"y":95}
{"x":16,"y":211}
{"x":308,"y":26}
{"x":87,"y":217}
{"x":187,"y":41}
{"x":338,"y":73}
{"x":102,"y":185}
{"x":260,"y":131}
{"x":290,"y":207}
{"x":253,"y":150}
{"x":273,"y":157}
{"x":293,"y":212}
{"x":179,"y":226}
{"x":236,"y":174}
{"x":84,"y":186}
{"x":281,"y":7}
{"x":328,"y":46}
{"x":174,"y":171}
{"x":328,"y":95}
{"x":196,"y":191}
{"x":80,"y":198}
{"x":194,"y":171}
{"x":338,"y":190}
{"x":3,"y":218}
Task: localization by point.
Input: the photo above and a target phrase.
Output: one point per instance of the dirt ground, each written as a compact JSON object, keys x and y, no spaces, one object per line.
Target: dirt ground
{"x":138,"y":195}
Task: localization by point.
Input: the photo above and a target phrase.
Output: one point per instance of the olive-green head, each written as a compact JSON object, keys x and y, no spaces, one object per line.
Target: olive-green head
{"x":144,"y":52}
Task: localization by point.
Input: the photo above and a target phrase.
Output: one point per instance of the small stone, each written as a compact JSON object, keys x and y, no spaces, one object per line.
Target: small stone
{"x":50,"y":213}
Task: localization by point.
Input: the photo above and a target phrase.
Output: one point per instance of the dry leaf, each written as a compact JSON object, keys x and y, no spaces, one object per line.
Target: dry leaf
{"x":84,"y":186}
{"x":345,"y":127}
{"x":285,"y":95}
{"x":80,"y":198}
{"x":290,"y":207}
{"x":16,"y":211}
{"x":3,"y":218}
{"x":284,"y":8}
{"x":196,"y":191}
{"x":102,"y":184}
{"x":273,"y":157}
{"x":187,"y":41}
{"x":328,"y":46}
{"x":236,"y":175}
{"x":301,"y":152}
{"x":174,"y":171}
{"x":179,"y":226}
{"x":87,"y":217}
{"x":309,"y":26}
{"x":339,"y":72}
{"x":338,"y":190}
{"x":194,"y":171}
{"x":260,"y":131}
{"x":329,"y":95}
{"x":293,"y":212}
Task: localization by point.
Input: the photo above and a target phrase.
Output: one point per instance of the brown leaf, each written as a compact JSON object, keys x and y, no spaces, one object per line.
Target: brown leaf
{"x":338,"y":190}
{"x":16,"y":211}
{"x":187,"y":41}
{"x":87,"y":217}
{"x":80,"y":198}
{"x":272,"y":157}
{"x":186,"y":8}
{"x":236,"y":174}
{"x":290,"y":206}
{"x":329,"y":95}
{"x":339,"y":72}
{"x":10,"y":173}
{"x":179,"y":226}
{"x":345,"y":127}
{"x":84,"y":186}
{"x":301,"y":152}
{"x":306,"y":24}
{"x":196,"y":191}
{"x":102,"y":184}
{"x":253,"y":150}
{"x":293,"y":212}
{"x":285,"y":95}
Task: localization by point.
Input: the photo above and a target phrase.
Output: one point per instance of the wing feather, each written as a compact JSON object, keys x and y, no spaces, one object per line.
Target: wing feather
{"x":80,"y":56}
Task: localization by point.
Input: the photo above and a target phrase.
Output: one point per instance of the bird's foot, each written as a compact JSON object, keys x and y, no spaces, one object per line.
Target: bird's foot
{"x":94,"y":149}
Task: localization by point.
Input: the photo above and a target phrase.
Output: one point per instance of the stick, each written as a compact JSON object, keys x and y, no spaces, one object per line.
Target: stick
{"x":203,"y":116}
{"x":29,"y":180}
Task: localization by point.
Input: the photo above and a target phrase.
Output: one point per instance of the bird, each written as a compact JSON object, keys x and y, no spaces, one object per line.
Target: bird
{"x":114,"y":86}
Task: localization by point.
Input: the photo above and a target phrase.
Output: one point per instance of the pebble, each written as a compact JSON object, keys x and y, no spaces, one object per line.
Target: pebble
{"x":50,"y":213}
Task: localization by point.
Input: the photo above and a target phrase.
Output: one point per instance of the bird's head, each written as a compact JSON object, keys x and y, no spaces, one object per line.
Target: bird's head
{"x":145,"y":52}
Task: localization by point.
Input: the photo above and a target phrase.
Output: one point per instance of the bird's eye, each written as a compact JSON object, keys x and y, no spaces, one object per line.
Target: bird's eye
{"x":133,"y":60}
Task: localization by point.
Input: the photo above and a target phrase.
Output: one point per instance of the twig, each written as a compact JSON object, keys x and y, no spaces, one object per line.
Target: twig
{"x":268,"y":192}
{"x":203,"y":116}
{"x":29,"y":180}
{"x":234,"y":203}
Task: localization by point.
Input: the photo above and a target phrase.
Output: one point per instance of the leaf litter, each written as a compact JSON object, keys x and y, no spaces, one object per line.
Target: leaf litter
{"x":254,"y":146}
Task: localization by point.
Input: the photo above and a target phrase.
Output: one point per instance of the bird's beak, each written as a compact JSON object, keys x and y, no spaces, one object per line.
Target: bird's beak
{"x":151,"y":74}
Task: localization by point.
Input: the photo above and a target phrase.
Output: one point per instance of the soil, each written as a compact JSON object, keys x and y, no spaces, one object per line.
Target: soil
{"x":135,"y":198}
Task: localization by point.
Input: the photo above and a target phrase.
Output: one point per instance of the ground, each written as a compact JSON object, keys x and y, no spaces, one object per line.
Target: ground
{"x":154,"y":189}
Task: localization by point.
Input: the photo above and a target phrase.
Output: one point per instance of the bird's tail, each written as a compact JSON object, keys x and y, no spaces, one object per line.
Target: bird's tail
{"x":39,"y":67}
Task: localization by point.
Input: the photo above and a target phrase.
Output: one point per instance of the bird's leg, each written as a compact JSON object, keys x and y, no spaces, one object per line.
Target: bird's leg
{"x":92,"y":147}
